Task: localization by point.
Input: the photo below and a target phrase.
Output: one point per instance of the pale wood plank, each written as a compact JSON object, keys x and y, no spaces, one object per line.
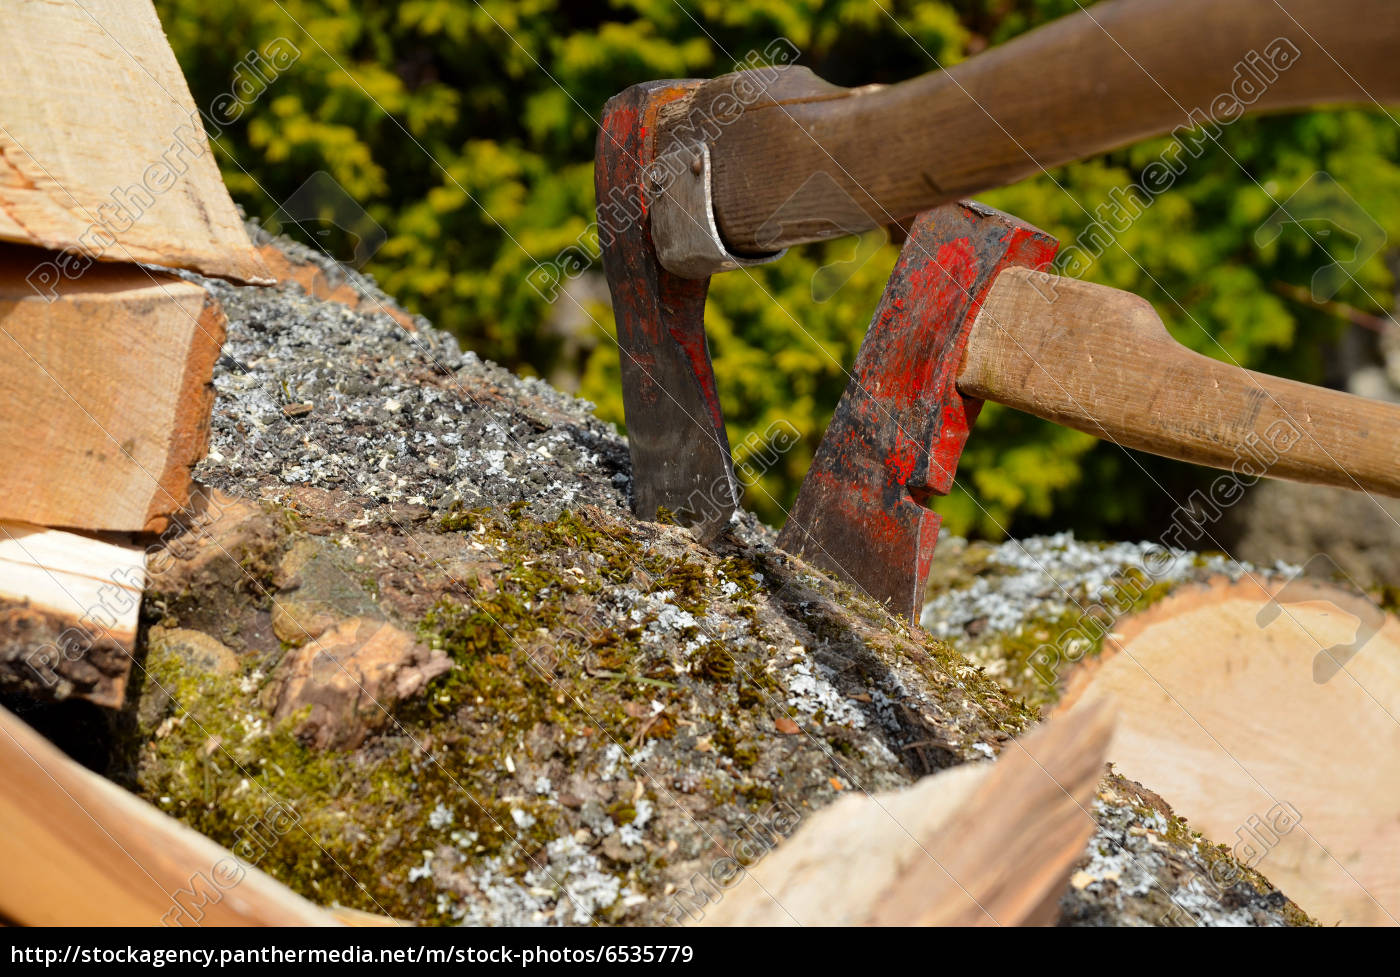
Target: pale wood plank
{"x":77,"y":849}
{"x":979,"y":844}
{"x":92,"y":105}
{"x":108,"y":392}
{"x":69,"y":610}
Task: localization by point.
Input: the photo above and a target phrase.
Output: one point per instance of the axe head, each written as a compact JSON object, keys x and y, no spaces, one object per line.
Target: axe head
{"x":675,"y":428}
{"x":900,"y":427}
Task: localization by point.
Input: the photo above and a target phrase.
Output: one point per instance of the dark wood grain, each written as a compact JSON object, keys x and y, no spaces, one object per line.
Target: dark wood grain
{"x":846,"y":159}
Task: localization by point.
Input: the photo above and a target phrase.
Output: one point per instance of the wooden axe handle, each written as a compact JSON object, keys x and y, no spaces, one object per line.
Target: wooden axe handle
{"x":806,"y":160}
{"x":1100,"y":360}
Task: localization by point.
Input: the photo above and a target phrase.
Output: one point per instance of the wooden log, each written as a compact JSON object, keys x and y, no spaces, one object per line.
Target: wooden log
{"x":79,"y":850}
{"x":1267,"y":712}
{"x":102,"y":150}
{"x":107,"y":392}
{"x":980,"y":844}
{"x":69,"y":606}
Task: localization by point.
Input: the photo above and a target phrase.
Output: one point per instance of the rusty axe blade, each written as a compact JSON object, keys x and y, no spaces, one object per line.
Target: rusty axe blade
{"x":900,"y":427}
{"x":675,"y":427}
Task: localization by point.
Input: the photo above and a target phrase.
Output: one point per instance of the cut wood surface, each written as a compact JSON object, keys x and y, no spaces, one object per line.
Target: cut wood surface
{"x":102,"y":149}
{"x":1100,"y":360}
{"x":797,"y":164}
{"x":69,"y":608}
{"x":1221,"y":709}
{"x":107,"y":390}
{"x":75,"y":847}
{"x":980,"y":844}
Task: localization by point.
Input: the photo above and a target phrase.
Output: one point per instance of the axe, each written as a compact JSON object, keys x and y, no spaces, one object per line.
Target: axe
{"x":698,"y":177}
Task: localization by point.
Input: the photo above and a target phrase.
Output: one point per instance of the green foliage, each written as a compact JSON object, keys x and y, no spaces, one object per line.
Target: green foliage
{"x":466,"y":130}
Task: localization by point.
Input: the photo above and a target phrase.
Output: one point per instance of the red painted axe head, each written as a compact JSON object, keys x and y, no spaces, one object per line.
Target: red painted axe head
{"x":900,"y":428}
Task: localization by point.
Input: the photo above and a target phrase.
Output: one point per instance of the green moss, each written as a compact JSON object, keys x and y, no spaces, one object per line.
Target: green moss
{"x":1025,"y":673}
{"x":1007,"y":712}
{"x":750,"y":615}
{"x":218,"y":771}
{"x":713,"y":663}
{"x":742,"y":573}
{"x":1221,"y":867}
{"x":757,"y":795}
{"x":842,"y":745}
{"x":461,"y":519}
{"x":750,"y":695}
{"x":536,"y":679}
{"x":1039,"y":682}
{"x":507,"y":682}
{"x":743,"y":753}
{"x":690,"y":583}
{"x":622,"y":812}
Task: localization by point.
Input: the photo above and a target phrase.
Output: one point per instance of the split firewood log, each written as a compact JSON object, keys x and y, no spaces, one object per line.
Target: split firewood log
{"x":980,"y":844}
{"x":68,"y":614}
{"x":108,"y":386}
{"x":1267,"y":711}
{"x":78,"y":847}
{"x":103,"y":154}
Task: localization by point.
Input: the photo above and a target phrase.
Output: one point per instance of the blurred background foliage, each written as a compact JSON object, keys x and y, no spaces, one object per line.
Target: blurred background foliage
{"x":466,"y":131}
